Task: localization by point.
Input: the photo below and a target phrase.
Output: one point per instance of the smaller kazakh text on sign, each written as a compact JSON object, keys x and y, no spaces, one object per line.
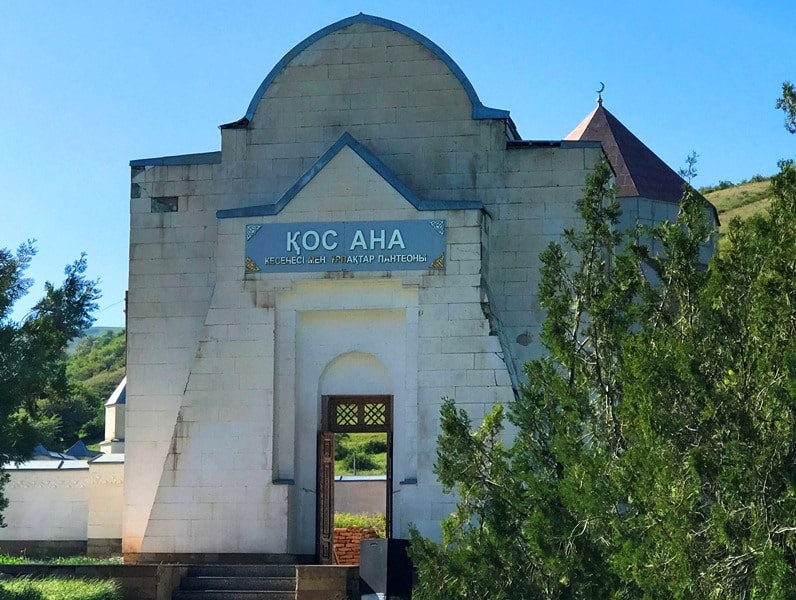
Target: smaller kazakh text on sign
{"x":345,"y":246}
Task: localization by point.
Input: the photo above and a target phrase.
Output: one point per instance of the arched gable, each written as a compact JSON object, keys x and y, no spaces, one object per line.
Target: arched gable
{"x":478,"y":110}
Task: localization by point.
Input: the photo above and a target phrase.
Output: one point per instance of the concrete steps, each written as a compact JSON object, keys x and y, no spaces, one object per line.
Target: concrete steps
{"x":238,"y":582}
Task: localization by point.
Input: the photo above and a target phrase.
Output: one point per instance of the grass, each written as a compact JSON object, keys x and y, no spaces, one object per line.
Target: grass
{"x":370,"y":450}
{"x":365,"y":520}
{"x":739,"y":195}
{"x":8,"y":559}
{"x":742,"y":200}
{"x":57,"y":588}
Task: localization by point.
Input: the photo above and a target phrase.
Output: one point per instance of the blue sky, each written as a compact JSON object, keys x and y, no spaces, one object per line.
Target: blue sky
{"x":87,"y":86}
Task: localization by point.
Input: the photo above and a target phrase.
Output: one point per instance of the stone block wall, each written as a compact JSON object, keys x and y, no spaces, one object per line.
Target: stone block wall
{"x":105,"y":502}
{"x":537,"y":202}
{"x":360,"y":495}
{"x":63,"y":508}
{"x":327,"y":582}
{"x":47,"y":507}
{"x":227,"y":368}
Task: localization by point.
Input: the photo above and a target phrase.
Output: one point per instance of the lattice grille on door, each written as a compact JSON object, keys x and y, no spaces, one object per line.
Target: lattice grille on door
{"x":375,"y":414}
{"x":358,"y":413}
{"x":346,"y":414}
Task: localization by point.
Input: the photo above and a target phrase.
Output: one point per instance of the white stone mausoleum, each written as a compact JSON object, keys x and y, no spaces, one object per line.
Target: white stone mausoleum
{"x":364,"y":244}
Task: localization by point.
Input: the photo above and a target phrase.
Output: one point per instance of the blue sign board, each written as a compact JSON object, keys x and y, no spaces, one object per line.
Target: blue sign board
{"x":346,"y":246}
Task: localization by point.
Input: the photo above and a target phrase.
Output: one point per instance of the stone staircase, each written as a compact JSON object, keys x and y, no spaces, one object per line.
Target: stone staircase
{"x":238,"y":582}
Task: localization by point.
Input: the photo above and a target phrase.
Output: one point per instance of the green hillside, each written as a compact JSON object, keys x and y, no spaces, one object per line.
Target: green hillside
{"x":94,"y":368}
{"x":360,"y":454}
{"x":90,"y":332}
{"x":741,"y":200}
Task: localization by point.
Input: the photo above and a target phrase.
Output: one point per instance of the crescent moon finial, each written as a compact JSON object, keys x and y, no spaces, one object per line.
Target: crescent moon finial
{"x":600,"y":94}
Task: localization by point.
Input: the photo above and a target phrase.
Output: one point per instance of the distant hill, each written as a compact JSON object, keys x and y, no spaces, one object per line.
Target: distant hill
{"x":101,"y":330}
{"x":91,"y":332}
{"x":98,"y":363}
{"x":739,"y":200}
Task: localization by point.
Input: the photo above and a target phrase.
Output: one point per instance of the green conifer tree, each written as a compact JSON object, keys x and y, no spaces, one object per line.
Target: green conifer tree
{"x":33,"y":350}
{"x":655,"y":453}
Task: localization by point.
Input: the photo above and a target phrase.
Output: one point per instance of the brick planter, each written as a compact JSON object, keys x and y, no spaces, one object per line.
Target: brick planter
{"x":346,"y":543}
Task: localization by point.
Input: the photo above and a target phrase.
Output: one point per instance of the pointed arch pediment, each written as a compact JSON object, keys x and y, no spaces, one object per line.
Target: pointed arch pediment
{"x":348,"y":141}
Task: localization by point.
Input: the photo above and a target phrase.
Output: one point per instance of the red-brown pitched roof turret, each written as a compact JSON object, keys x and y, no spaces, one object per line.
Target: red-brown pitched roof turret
{"x":637,"y":169}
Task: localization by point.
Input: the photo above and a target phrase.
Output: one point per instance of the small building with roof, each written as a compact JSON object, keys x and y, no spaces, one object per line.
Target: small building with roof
{"x":114,"y":420}
{"x":365,"y":243}
{"x":648,"y":190}
{"x":42,"y":453}
{"x":81,"y":452}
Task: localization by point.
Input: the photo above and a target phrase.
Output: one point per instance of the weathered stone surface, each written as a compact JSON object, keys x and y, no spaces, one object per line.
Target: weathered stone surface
{"x":227,"y":367}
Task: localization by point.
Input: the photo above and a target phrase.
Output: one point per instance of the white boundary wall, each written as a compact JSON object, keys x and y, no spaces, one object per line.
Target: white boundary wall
{"x":55,"y":502}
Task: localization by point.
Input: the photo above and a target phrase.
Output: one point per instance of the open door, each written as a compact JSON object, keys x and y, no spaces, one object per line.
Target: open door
{"x":347,"y":414}
{"x":325,"y":512}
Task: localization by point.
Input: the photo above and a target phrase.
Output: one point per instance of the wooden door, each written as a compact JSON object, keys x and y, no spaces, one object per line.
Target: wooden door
{"x":325,"y":490}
